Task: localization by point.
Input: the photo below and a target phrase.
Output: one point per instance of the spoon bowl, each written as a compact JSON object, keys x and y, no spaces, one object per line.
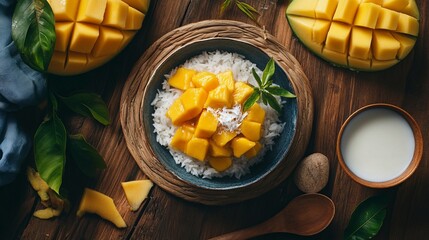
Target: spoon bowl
{"x":305,"y":215}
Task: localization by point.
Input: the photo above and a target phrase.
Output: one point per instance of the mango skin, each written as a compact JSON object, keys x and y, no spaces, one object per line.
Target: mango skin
{"x":397,"y":21}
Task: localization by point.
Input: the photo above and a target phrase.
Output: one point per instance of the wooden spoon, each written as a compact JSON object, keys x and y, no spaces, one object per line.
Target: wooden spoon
{"x":305,"y":215}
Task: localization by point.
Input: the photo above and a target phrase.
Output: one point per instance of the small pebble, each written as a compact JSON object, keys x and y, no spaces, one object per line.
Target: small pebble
{"x":312,"y":173}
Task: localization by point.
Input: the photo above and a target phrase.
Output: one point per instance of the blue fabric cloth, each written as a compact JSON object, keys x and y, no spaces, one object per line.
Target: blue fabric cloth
{"x":20,"y":86}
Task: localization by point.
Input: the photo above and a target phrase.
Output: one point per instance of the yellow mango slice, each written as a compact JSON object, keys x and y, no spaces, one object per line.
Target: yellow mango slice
{"x":91,"y":11}
{"x":220,"y":164}
{"x":109,"y":42}
{"x":256,"y":114}
{"x":181,"y":138}
{"x":193,"y":100}
{"x":136,"y":192}
{"x":58,"y":62}
{"x":64,"y":10}
{"x":182,"y":79}
{"x":219,"y":97}
{"x":242,"y":91}
{"x":349,"y":37}
{"x":134,"y":19}
{"x":102,"y":205}
{"x":253,"y":151}
{"x":223,"y":137}
{"x":75,"y":61}
{"x":63,"y":32}
{"x":205,"y":80}
{"x":84,"y":37}
{"x":241,"y":145}
{"x":141,"y":5}
{"x":251,"y":130}
{"x":197,"y":148}
{"x":218,"y":151}
{"x":227,"y":79}
{"x":206,"y":126}
{"x":116,"y":14}
{"x":177,"y":113}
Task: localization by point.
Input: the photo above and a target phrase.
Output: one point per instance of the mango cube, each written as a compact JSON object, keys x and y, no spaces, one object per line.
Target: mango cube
{"x":241,"y":145}
{"x":220,"y":164}
{"x":181,"y":138}
{"x":197,"y":148}
{"x":387,"y":19}
{"x":223,"y":137}
{"x":116,"y":14}
{"x":408,"y":25}
{"x":406,"y":43}
{"x":219,"y":97}
{"x":367,"y":15}
{"x":205,"y":80}
{"x":84,"y":37}
{"x":206,"y":126}
{"x":193,"y":100}
{"x":227,"y":79}
{"x":136,"y":192}
{"x":63,"y":32}
{"x":346,"y":11}
{"x":91,"y":11}
{"x":256,"y":114}
{"x":109,"y":42}
{"x":242,"y":91}
{"x":251,"y":130}
{"x":182,"y":79}
{"x":320,"y":30}
{"x":326,"y":9}
{"x":253,"y":151}
{"x":384,"y":46}
{"x":218,"y":151}
{"x":360,"y":42}
{"x":338,"y":37}
{"x":176,"y":112}
{"x":134,"y":19}
{"x":303,"y":8}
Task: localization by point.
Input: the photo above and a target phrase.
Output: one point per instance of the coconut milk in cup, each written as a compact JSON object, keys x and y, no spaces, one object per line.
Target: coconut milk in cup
{"x":379,"y":145}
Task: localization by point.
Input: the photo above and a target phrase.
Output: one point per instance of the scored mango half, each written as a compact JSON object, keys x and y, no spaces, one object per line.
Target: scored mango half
{"x":366,"y":35}
{"x":91,"y":32}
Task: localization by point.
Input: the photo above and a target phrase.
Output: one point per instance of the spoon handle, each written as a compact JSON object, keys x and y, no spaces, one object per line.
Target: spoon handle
{"x":247,"y":233}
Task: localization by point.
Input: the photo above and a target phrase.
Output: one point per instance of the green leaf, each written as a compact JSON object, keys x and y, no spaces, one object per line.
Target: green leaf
{"x":50,"y":151}
{"x":224,"y":6}
{"x":268,"y":72}
{"x":33,"y":31}
{"x":272,"y":101}
{"x":367,"y":218}
{"x":53,"y":101}
{"x":278,"y":91}
{"x":86,"y":156}
{"x":247,"y":9}
{"x":257,"y":78}
{"x":251,"y":100}
{"x":89,"y":105}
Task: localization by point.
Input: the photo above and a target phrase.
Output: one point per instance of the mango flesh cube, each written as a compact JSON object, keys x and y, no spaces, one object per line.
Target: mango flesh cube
{"x":303,"y":8}
{"x":181,"y":138}
{"x":220,"y":164}
{"x":127,"y":37}
{"x":338,"y":37}
{"x":116,"y":14}
{"x":346,"y":11}
{"x":193,"y":100}
{"x":227,"y":79}
{"x":218,"y":151}
{"x":367,"y":15}
{"x":378,"y":2}
{"x":84,"y":37}
{"x":242,"y":91}
{"x":141,"y":5}
{"x":136,"y":192}
{"x":63,"y":32}
{"x":197,"y":148}
{"x":75,"y":61}
{"x":408,"y":25}
{"x":206,"y":126}
{"x":358,"y":63}
{"x":256,"y":114}
{"x":320,"y":30}
{"x":385,"y":46}
{"x":396,"y":5}
{"x":134,"y":19}
{"x":360,"y":42}
{"x":406,"y":43}
{"x":338,"y":58}
{"x":303,"y":27}
{"x":219,"y":97}
{"x":176,"y":112}
{"x":91,"y":11}
{"x":412,"y":9}
{"x":182,"y":78}
{"x":326,"y":9}
{"x":109,"y":42}
{"x":102,"y":205}
{"x":253,"y":151}
{"x":205,"y":80}
{"x":241,"y":145}
{"x":64,"y":10}
{"x":223,"y":137}
{"x":58,"y":62}
{"x":251,"y":130}
{"x":387,"y":19}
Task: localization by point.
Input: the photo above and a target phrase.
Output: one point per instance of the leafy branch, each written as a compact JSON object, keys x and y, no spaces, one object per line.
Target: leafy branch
{"x":246,"y":8}
{"x":266,"y":90}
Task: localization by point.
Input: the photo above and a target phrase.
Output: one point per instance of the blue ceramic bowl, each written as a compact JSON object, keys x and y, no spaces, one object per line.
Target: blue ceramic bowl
{"x":271,"y":159}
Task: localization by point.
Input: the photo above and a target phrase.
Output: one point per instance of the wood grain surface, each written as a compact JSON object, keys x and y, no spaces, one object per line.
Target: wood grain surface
{"x":337,"y":93}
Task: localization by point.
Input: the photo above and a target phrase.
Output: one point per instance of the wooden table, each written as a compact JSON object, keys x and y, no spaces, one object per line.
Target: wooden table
{"x":337,"y":93}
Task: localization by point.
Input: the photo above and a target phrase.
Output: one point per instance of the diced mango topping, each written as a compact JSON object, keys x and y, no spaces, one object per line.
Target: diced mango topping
{"x":136,"y":192}
{"x":350,"y":33}
{"x":200,"y":134}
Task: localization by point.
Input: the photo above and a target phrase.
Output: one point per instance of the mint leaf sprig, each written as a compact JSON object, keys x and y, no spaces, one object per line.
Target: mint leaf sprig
{"x":246,"y":8}
{"x":266,"y":90}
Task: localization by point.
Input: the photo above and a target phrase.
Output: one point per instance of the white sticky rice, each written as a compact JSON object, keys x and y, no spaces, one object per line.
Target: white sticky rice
{"x":214,"y":62}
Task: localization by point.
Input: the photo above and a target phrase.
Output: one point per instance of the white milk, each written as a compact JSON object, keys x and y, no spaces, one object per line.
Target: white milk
{"x":377,"y":145}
